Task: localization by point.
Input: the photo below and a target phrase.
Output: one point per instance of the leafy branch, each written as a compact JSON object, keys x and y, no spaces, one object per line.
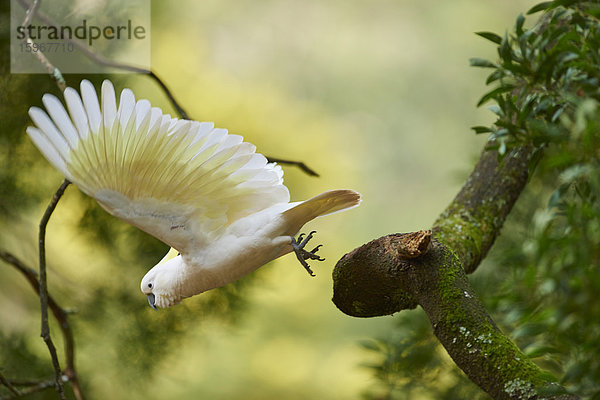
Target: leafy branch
{"x":542,"y":74}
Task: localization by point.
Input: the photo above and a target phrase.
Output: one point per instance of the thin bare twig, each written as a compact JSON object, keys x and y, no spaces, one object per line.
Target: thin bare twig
{"x":31,"y":10}
{"x":34,"y":387}
{"x":303,"y":167}
{"x":9,"y":385}
{"x":54,"y":72}
{"x":61,"y":316}
{"x":45,"y":331}
{"x":27,"y":382}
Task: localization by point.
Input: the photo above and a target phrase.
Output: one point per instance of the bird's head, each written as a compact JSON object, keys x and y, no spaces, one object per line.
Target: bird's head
{"x":162,"y":283}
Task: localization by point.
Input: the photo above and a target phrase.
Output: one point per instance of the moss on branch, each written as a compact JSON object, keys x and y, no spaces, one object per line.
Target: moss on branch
{"x":471,"y":223}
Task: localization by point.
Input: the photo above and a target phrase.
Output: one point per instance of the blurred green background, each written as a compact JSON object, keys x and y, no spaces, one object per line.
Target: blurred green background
{"x":376,"y":96}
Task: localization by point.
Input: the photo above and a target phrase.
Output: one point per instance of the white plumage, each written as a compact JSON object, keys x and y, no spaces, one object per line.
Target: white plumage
{"x":202,"y":191}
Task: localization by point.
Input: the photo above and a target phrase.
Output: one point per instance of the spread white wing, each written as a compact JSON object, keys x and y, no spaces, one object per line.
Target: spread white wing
{"x":181,"y":181}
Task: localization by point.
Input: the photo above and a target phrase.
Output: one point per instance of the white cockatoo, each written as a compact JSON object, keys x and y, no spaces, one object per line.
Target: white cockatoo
{"x":222,"y":207}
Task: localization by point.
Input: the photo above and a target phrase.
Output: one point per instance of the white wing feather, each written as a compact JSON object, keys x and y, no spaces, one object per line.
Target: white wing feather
{"x":181,"y":181}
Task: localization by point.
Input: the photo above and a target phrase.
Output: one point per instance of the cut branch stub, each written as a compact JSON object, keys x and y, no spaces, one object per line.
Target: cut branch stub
{"x":373,"y":279}
{"x":414,"y":244}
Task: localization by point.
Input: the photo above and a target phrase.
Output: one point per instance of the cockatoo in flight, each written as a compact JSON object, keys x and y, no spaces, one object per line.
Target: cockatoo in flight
{"x":222,"y":208}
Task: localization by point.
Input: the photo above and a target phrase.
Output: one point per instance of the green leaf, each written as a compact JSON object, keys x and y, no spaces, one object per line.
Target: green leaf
{"x":575,"y":172}
{"x":496,"y":110}
{"x":594,"y":10}
{"x":490,"y":36}
{"x":494,"y":76}
{"x":574,"y":372}
{"x":546,"y":131}
{"x":538,"y":351}
{"x":500,"y":133}
{"x":562,"y":3}
{"x":558,"y":113}
{"x":372,"y":345}
{"x":502,"y":148}
{"x":540,"y":7}
{"x":519,"y":26}
{"x":494,"y":93}
{"x":529,"y":330}
{"x":505,"y":51}
{"x":557,"y":195}
{"x":481,"y":129}
{"x":568,"y":56}
{"x":480,"y":62}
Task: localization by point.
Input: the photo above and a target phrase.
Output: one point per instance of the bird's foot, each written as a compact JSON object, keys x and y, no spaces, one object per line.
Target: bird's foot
{"x":303,"y":255}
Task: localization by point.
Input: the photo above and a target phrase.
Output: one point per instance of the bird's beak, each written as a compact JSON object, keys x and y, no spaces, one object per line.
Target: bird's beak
{"x":151,"y":301}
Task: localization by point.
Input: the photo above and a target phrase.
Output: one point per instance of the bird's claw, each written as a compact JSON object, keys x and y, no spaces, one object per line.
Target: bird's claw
{"x":303,"y":255}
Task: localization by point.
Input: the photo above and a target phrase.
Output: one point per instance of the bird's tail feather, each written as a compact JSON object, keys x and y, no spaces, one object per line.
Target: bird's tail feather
{"x":323,"y":204}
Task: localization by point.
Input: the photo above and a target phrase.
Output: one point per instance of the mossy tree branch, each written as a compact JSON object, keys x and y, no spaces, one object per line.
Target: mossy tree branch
{"x":401,"y":271}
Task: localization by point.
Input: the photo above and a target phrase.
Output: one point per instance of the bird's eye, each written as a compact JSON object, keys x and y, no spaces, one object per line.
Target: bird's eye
{"x":150,"y":285}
